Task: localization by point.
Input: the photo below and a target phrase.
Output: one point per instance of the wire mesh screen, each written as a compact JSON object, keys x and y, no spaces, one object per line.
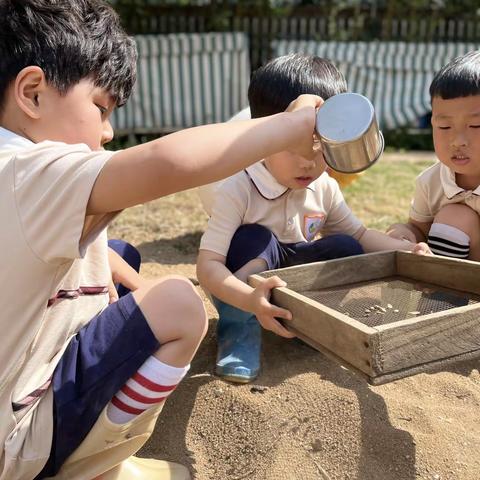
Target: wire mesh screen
{"x":389,"y":300}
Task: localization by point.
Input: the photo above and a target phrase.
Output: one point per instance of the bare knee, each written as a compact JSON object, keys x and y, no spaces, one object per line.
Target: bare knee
{"x":467,"y":223}
{"x":173,"y":309}
{"x":460,"y":216}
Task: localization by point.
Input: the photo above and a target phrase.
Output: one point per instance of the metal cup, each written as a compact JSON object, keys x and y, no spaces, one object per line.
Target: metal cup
{"x":348,"y":132}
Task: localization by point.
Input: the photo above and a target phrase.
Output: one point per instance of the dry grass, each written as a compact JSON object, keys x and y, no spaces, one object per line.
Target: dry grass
{"x":383,"y":194}
{"x":168,"y":230}
{"x":311,"y":416}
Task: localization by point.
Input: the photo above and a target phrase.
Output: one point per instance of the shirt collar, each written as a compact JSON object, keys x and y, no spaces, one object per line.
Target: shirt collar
{"x":449,"y":184}
{"x":266,"y":183}
{"x":11,"y":141}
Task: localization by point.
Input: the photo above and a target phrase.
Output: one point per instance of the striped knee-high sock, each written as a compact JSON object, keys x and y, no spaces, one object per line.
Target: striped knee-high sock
{"x":448,"y":241}
{"x":151,"y":385}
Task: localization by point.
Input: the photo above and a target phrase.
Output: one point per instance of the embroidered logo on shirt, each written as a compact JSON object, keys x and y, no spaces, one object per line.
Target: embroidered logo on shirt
{"x":313,"y":225}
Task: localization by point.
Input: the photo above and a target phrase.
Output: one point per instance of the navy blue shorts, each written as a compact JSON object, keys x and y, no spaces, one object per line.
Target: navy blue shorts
{"x":255,"y":241}
{"x":97,"y":363}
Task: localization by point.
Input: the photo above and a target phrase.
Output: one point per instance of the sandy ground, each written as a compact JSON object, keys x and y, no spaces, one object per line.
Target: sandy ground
{"x":305,"y":417}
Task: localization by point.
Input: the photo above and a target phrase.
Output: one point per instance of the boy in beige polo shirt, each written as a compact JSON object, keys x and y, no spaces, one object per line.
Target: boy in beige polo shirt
{"x":445,"y":210}
{"x":81,"y":381}
{"x":270,"y":215}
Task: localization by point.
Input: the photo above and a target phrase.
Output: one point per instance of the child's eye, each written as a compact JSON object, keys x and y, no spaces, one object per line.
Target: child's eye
{"x":474,"y":126}
{"x":103,"y":110}
{"x":443,"y":128}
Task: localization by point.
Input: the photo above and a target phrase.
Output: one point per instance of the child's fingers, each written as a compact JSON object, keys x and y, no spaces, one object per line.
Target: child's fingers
{"x":305,"y":100}
{"x":273,"y":282}
{"x":275,"y":326}
{"x":276,"y":314}
{"x":270,"y":317}
{"x":282,"y":331}
{"x":270,"y":311}
{"x":419,"y":249}
{"x":280,"y":313}
{"x":422,"y":249}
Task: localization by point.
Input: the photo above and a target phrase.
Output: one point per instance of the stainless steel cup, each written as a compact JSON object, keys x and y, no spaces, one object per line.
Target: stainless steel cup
{"x":348,"y":132}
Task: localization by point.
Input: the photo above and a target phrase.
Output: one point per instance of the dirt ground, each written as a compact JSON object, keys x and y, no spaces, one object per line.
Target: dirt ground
{"x":305,"y":417}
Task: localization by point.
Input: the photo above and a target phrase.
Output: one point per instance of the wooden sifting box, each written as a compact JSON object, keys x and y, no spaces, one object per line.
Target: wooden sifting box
{"x":386,"y":315}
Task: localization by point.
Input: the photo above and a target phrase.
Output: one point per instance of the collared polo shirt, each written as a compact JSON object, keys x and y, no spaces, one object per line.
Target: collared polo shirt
{"x":53,"y":282}
{"x":436,"y":187}
{"x":254,"y":196}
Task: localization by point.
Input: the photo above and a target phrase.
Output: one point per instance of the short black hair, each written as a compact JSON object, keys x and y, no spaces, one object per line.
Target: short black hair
{"x":280,"y":81}
{"x":459,"y":78}
{"x":69,"y":40}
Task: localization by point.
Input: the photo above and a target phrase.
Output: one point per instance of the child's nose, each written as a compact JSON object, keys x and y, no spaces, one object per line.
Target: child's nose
{"x":107,"y":134}
{"x":459,"y":139}
{"x":307,"y":163}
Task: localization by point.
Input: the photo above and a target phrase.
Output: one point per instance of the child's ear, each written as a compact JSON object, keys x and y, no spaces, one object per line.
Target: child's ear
{"x":29,"y":85}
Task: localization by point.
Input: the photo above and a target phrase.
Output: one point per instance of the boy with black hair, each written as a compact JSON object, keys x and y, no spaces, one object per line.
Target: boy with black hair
{"x":270,"y":215}
{"x":81,"y":381}
{"x":445,"y":210}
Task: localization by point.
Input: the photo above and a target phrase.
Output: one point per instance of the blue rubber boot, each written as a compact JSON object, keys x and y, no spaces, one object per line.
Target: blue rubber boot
{"x":239,"y":339}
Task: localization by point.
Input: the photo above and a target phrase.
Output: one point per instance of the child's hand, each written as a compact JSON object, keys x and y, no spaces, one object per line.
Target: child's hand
{"x":401,"y":232}
{"x":422,"y":248}
{"x":307,"y":106}
{"x":305,"y":100}
{"x":266,"y":312}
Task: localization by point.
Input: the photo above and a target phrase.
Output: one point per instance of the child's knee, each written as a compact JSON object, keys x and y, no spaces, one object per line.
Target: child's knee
{"x":459,"y":216}
{"x":453,"y":231}
{"x":174,"y":309}
{"x":248,"y":242}
{"x":250,"y":237}
{"x":346,"y":245}
{"x":189,"y":306}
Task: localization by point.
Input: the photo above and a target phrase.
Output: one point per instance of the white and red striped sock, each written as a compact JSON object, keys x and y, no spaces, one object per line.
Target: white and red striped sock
{"x":151,"y":385}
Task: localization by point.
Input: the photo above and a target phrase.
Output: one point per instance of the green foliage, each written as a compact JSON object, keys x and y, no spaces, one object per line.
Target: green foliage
{"x":127,"y":8}
{"x":408,"y":139}
{"x":412,"y":9}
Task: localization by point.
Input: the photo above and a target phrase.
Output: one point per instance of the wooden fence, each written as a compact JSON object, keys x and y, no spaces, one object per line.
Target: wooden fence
{"x":186,"y":80}
{"x":262,"y":31}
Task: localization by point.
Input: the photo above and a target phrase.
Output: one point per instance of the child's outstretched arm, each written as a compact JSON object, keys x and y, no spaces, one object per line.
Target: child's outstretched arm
{"x":200,"y":155}
{"x":215,"y":277}
{"x":415,"y":230}
{"x":375,"y":241}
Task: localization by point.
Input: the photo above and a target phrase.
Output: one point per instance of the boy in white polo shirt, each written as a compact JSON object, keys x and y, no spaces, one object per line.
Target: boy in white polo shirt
{"x":81,"y":381}
{"x":270,"y":215}
{"x":445,"y":210}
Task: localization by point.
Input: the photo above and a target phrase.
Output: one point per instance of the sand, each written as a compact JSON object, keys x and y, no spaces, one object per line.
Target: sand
{"x":306,"y":417}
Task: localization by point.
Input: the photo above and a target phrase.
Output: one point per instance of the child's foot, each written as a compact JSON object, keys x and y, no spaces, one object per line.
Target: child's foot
{"x":239,"y":340}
